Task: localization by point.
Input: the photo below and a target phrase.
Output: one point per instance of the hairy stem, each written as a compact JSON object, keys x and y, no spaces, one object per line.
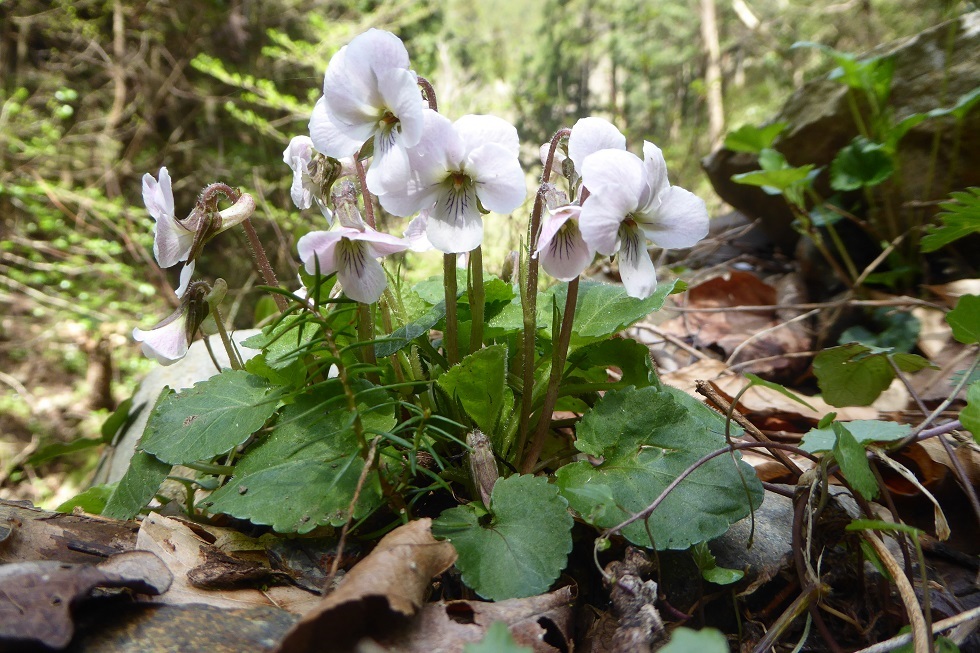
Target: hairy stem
{"x":262,"y":263}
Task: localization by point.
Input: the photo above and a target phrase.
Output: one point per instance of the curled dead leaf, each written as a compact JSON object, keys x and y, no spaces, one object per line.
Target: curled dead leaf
{"x":386,"y":587}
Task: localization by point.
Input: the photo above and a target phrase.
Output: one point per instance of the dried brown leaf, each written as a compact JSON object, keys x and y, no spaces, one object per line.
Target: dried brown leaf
{"x":386,"y":587}
{"x":36,"y":598}
{"x":185,"y":552}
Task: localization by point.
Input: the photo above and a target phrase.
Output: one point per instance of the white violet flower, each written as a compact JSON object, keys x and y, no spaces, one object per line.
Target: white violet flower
{"x":352,"y":254}
{"x":631,"y":202}
{"x":298,"y":155}
{"x":457,"y":168}
{"x":370,"y":93}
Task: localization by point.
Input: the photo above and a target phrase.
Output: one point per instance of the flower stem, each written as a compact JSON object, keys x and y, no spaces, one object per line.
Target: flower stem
{"x":477,"y":298}
{"x":233,"y":359}
{"x":558,"y":355}
{"x":365,"y":333}
{"x":449,"y":336}
{"x":430,"y":93}
{"x":368,"y":199}
{"x":262,"y":263}
{"x":528,"y":285}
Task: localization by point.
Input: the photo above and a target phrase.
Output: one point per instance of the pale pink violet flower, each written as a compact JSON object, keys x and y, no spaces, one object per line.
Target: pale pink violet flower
{"x":352,"y":254}
{"x":298,"y":155}
{"x":562,"y":251}
{"x":631,"y":202}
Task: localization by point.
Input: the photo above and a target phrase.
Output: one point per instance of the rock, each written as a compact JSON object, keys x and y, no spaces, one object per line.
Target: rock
{"x":930,"y":72}
{"x":195,"y":366}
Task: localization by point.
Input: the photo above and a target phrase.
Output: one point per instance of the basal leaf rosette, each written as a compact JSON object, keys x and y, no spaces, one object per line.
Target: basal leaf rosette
{"x":645,"y":438}
{"x":523,"y":547}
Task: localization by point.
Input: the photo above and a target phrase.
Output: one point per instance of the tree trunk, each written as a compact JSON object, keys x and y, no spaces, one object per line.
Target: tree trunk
{"x":712,"y":77}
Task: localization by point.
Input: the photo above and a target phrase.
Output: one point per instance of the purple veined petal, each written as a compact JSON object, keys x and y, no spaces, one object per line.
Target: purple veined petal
{"x":635,"y":266}
{"x":681,"y":220}
{"x":566,"y":254}
{"x":379,"y":243}
{"x":171,"y":242}
{"x":655,"y":172}
{"x":401,"y":96}
{"x":319,"y":248}
{"x":478,"y":130}
{"x":360,"y":275}
{"x":554,"y":221}
{"x":167,"y":342}
{"x":455,"y":224}
{"x":186,"y":273}
{"x":334,"y":140}
{"x":614,"y":172}
{"x":498,"y":176}
{"x":590,"y":135}
{"x":600,"y":220}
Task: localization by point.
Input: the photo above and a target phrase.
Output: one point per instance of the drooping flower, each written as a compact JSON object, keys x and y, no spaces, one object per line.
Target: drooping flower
{"x":562,"y":251}
{"x":168,"y":341}
{"x":304,"y":191}
{"x":631,"y":202}
{"x":352,"y":254}
{"x":175,"y":240}
{"x":370,"y":93}
{"x":456,"y":169}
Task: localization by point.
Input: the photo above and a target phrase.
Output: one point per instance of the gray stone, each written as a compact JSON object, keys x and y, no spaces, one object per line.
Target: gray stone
{"x":930,"y":72}
{"x":194,"y":367}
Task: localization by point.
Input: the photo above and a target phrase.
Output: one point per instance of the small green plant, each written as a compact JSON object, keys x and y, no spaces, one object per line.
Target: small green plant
{"x":870,"y":165}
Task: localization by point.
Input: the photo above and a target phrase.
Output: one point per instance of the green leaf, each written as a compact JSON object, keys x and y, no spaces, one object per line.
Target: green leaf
{"x":755,"y":380}
{"x":853,"y":461}
{"x":970,"y":415}
{"x":896,"y":330}
{"x":92,"y":500}
{"x":402,"y":336}
{"x":854,"y":375}
{"x":304,"y":473}
{"x":965,"y":319}
{"x":137,"y":486}
{"x":775,"y":182}
{"x":604,"y":309}
{"x":748,"y":138}
{"x":56,"y":449}
{"x":523,"y":548}
{"x":286,"y":342}
{"x":709,"y":568}
{"x":117,"y":421}
{"x":860,"y":164}
{"x":685,"y":640}
{"x":645,"y":438}
{"x":210,"y":419}
{"x":865,"y":431}
{"x":479,"y":384}
{"x":961,"y":217}
{"x":632,"y":359}
{"x":497,"y":640}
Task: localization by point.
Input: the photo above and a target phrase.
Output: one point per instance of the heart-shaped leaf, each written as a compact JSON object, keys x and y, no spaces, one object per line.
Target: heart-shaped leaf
{"x":645,"y":438}
{"x":523,"y":548}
